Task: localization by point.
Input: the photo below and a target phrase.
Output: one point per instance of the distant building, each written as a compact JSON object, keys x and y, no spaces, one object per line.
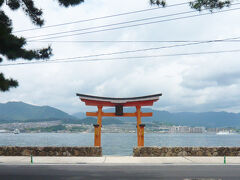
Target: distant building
{"x":197,"y":129}
{"x":186,"y":129}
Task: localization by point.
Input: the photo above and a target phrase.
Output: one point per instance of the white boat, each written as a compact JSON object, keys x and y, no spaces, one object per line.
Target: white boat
{"x":224,"y":133}
{"x":3,"y":131}
{"x":16,"y":131}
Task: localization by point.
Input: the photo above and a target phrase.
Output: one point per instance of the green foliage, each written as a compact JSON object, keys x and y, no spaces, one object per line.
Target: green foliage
{"x":1,"y":2}
{"x":199,"y":4}
{"x":5,"y":84}
{"x":158,"y":2}
{"x":209,"y":4}
{"x":48,"y":129}
{"x":105,"y":121}
{"x":13,"y":4}
{"x":67,"y":3}
{"x":77,"y":129}
{"x":13,"y":47}
{"x":56,"y":128}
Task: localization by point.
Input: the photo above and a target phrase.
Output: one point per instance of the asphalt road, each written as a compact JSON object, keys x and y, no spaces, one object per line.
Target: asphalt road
{"x":119,"y":172}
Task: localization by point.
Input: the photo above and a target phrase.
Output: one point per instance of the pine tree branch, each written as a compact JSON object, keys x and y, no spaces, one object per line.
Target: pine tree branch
{"x":1,"y":2}
{"x":6,"y":84}
{"x":13,"y":4}
{"x":67,"y":3}
{"x":11,"y":46}
{"x":158,"y":2}
{"x":209,"y":4}
{"x":199,"y":5}
{"x":34,"y":13}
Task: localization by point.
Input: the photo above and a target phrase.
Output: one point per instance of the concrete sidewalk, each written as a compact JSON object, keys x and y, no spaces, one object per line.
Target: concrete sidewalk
{"x":186,"y":160}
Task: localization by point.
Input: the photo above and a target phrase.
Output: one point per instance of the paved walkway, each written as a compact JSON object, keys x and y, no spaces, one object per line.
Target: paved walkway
{"x":119,"y":172}
{"x":11,"y":160}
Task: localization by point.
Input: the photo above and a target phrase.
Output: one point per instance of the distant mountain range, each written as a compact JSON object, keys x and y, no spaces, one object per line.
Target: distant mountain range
{"x":206,"y":119}
{"x":19,"y":111}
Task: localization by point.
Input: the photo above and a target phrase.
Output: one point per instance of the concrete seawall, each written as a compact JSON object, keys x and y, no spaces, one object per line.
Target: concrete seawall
{"x":50,"y":151}
{"x":185,"y":151}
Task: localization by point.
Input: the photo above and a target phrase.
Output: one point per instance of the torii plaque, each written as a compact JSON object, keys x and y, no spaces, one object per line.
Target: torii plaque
{"x":119,"y":103}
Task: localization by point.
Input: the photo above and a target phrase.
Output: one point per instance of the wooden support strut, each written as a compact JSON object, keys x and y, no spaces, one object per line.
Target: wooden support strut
{"x":138,"y":113}
{"x":96,"y":134}
{"x":97,"y":137}
{"x":141,"y":133}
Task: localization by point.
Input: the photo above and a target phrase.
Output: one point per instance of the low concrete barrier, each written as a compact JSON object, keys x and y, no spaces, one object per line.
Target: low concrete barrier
{"x":50,"y":151}
{"x":185,"y":151}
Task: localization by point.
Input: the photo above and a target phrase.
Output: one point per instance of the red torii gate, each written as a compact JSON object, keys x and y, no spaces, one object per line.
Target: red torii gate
{"x":119,"y":103}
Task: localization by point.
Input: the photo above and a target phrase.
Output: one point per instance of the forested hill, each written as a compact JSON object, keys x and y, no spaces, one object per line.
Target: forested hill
{"x":206,"y":119}
{"x":19,"y":111}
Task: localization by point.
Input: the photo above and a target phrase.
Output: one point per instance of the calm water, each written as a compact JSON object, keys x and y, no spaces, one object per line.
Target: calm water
{"x":118,"y":143}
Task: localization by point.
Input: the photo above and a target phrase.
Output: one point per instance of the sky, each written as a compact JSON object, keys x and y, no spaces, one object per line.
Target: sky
{"x":192,"y":83}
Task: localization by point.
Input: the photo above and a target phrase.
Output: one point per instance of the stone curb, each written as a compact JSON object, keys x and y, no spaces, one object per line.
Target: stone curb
{"x":50,"y":151}
{"x":185,"y":151}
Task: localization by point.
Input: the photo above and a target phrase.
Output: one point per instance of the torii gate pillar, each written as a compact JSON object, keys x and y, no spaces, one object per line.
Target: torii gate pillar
{"x":140,"y":141}
{"x":98,"y":128}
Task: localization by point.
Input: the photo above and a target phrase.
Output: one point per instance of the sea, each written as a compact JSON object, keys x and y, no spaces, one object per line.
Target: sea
{"x":118,"y":144}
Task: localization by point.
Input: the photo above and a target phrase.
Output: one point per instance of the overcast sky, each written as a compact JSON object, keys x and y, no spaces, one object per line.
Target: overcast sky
{"x":188,"y":83}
